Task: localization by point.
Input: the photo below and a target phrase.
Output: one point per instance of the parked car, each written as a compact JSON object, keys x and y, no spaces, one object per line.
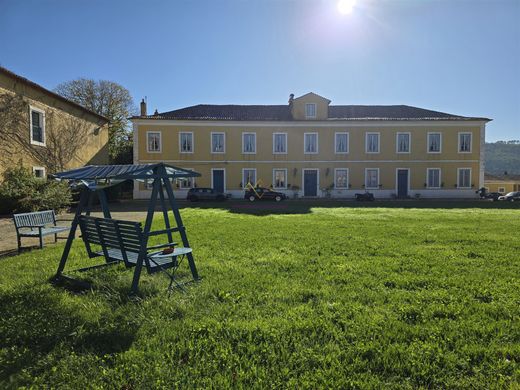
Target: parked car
{"x":195,"y":194}
{"x":366,"y":196}
{"x":260,"y":193}
{"x":511,"y":196}
{"x":492,"y":195}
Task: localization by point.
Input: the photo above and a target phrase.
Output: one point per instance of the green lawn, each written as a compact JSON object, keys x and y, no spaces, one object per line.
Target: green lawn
{"x":296,"y":298}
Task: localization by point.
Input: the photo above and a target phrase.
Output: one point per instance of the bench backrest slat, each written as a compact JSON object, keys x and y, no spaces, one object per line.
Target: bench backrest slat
{"x":46,"y":217}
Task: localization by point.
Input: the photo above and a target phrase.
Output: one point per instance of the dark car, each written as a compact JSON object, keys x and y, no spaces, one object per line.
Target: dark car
{"x":195,"y":194}
{"x":260,"y":193}
{"x":492,"y":195}
{"x":511,"y":196}
{"x":365,"y":197}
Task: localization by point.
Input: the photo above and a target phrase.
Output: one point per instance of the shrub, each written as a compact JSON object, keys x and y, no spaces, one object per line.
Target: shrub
{"x":22,"y":192}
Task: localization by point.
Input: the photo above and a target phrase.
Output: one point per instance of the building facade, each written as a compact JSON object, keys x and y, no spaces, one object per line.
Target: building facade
{"x":44,"y":131}
{"x":311,"y":148}
{"x":502,"y":184}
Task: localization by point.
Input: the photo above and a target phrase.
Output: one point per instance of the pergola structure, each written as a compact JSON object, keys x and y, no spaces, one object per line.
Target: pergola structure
{"x":95,"y":179}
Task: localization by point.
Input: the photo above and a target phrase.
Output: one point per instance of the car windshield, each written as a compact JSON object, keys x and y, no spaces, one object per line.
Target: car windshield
{"x":511,"y":194}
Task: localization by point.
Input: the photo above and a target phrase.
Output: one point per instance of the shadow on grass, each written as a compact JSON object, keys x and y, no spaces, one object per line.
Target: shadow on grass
{"x":37,"y":322}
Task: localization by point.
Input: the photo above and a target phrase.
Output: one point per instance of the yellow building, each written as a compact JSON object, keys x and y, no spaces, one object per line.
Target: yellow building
{"x":311,"y":148}
{"x":502,"y":184}
{"x":44,"y":131}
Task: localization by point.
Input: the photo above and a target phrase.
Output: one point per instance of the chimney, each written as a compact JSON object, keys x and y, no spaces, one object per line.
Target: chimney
{"x":143,"y":108}
{"x":156,"y":112}
{"x":291,"y":98}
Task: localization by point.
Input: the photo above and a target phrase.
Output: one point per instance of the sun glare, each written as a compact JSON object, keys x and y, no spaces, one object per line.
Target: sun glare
{"x":345,"y":7}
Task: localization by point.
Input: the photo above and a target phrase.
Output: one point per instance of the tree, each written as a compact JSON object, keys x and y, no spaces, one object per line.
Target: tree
{"x":110,"y":100}
{"x":64,"y":136}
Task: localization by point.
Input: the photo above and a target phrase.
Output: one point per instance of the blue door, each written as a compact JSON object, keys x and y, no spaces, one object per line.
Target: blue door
{"x":218,"y":180}
{"x":402,"y":183}
{"x":310,"y":183}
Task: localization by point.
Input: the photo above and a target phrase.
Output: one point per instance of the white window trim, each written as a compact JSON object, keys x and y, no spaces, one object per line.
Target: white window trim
{"x":44,"y":135}
{"x":397,"y":142}
{"x":458,"y":176}
{"x":470,"y":142}
{"x":336,"y":143}
{"x":34,"y":169}
{"x":315,"y":110}
{"x":348,"y":179}
{"x":286,"y":142}
{"x":378,"y":142}
{"x":274,"y":178}
{"x":317,"y":143}
{"x":378,"y":179}
{"x":180,"y":181}
{"x":317,"y":180}
{"x":148,"y":143}
{"x":499,"y":188}
{"x":211,"y":142}
{"x":243,"y":137}
{"x":428,"y":177}
{"x":428,"y":142}
{"x":192,"y":142}
{"x":242,"y":179}
{"x":218,"y":169}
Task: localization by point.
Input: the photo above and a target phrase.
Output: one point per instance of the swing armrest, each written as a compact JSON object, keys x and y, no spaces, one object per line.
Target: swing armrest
{"x":161,"y":246}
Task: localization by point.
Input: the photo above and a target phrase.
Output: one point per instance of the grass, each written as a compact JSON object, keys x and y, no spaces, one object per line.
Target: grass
{"x":328,"y":297}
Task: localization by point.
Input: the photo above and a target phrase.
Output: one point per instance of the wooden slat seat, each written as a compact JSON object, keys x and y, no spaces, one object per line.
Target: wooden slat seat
{"x":37,"y":224}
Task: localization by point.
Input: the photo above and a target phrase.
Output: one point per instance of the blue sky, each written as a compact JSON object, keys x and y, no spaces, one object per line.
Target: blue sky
{"x":461,"y":57}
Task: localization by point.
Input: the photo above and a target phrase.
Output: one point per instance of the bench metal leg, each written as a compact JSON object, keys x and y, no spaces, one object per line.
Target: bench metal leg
{"x":19,"y":243}
{"x":41,"y":241}
{"x":56,"y":237}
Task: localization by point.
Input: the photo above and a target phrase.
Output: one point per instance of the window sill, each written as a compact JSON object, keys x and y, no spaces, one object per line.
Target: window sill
{"x":38,"y":143}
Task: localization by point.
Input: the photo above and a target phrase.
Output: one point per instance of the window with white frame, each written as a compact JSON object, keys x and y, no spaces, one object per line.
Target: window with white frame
{"x":310,"y":110}
{"x":371,"y":178}
{"x":500,"y":189}
{"x":341,"y":178}
{"x":372,"y":143}
{"x":39,"y":172}
{"x":310,"y":141}
{"x":279,"y":143}
{"x":148,"y":184}
{"x":186,"y":182}
{"x":280,"y":178}
{"x":218,"y":142}
{"x":248,"y":177}
{"x":434,"y":142}
{"x":341,"y":143}
{"x":403,"y":142}
{"x":186,"y":142}
{"x":249,"y":143}
{"x":464,"y":178}
{"x":153,"y":141}
{"x":37,"y":127}
{"x":434,"y":178}
{"x":464,"y":142}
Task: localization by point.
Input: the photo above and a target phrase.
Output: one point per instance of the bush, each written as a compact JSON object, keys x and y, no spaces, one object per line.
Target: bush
{"x":22,"y":192}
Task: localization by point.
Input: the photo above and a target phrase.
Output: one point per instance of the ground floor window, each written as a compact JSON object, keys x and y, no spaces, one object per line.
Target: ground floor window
{"x":186,"y":182}
{"x":372,"y":178}
{"x":501,"y":189}
{"x":341,"y":178}
{"x":464,"y":178}
{"x":280,"y":178}
{"x":434,"y":178}
{"x":39,"y":172}
{"x":248,"y":177}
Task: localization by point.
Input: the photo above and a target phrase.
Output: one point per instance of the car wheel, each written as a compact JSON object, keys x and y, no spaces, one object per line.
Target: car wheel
{"x":278,"y":198}
{"x":252,"y":198}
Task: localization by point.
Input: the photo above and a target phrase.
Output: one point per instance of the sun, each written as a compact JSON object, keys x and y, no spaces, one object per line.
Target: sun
{"x":345,"y":7}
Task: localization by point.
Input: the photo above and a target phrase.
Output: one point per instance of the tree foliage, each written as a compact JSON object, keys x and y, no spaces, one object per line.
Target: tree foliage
{"x":503,"y":156}
{"x":110,"y":100}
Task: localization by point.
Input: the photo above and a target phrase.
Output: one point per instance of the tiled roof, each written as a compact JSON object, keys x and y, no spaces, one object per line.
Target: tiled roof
{"x":283,"y":113}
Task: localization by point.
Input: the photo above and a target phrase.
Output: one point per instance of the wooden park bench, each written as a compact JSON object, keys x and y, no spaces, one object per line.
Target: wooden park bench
{"x":124,"y":241}
{"x":37,"y":224}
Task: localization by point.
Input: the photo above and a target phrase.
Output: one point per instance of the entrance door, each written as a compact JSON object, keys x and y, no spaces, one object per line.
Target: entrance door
{"x":310,"y":183}
{"x":402,"y":183}
{"x":218,"y":180}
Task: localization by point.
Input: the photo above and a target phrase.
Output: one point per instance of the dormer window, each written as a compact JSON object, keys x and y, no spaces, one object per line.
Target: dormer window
{"x":310,"y":110}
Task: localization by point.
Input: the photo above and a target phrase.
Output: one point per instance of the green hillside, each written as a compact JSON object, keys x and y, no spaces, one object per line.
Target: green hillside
{"x":503,"y":156}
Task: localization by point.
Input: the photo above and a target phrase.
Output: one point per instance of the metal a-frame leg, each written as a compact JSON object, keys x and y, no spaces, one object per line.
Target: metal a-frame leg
{"x":144,"y":243}
{"x":182,"y":230}
{"x":83,"y":200}
{"x":165,"y":212}
{"x":104,"y":203}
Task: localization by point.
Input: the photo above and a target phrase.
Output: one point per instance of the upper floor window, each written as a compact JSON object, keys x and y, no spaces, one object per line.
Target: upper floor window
{"x":280,"y":178}
{"x":371,"y":178}
{"x":403,"y":142}
{"x":341,"y":178}
{"x":372,"y":143}
{"x":341,"y":143}
{"x":186,"y":142}
{"x":249,"y":143}
{"x":37,"y":127}
{"x":218,"y":142}
{"x":153,"y":141}
{"x":280,"y":143}
{"x":464,"y":178}
{"x":434,"y":178}
{"x":434,"y":142}
{"x":464,"y":142}
{"x":310,"y":143}
{"x":310,"y":110}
